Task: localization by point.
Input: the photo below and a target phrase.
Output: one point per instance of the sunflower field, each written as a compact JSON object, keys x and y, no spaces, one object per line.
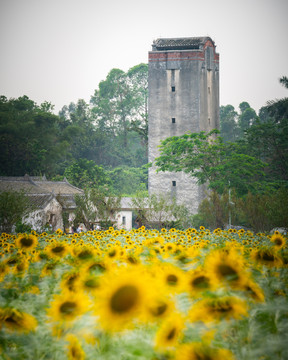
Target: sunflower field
{"x":144,"y":295}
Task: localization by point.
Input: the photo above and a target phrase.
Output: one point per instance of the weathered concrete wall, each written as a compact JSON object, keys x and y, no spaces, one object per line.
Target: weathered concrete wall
{"x":183,"y":90}
{"x":52,"y":214}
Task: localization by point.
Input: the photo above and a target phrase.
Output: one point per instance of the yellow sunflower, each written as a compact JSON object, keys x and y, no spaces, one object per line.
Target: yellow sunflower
{"x":198,"y":281}
{"x":89,"y":283}
{"x":278,"y":240}
{"x":202,"y":351}
{"x":172,"y":277}
{"x":49,"y":267}
{"x":254,"y":291}
{"x":69,"y":280}
{"x":170,"y":248}
{"x":217,"y":309}
{"x":21,"y":266}
{"x":266,"y":256}
{"x":4,"y":269}
{"x":121,"y":298}
{"x":226,"y":267}
{"x":68,"y":306}
{"x":83,"y":253}
{"x":97,"y":266}
{"x":170,"y":332}
{"x":75,"y":351}
{"x":158,"y":308}
{"x":26,"y":242}
{"x":57,"y":249}
{"x":15,"y":320}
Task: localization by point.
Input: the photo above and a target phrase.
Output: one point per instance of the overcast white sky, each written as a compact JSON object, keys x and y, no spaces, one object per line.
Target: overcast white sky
{"x":59,"y":50}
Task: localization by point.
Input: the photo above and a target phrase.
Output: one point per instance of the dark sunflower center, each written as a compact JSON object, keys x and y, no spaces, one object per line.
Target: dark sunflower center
{"x":58,"y":249}
{"x":20,"y":267}
{"x":201,"y":356}
{"x":171,"y":334}
{"x":26,"y":242}
{"x":222,"y":308}
{"x":159,"y":310}
{"x":278,"y":241}
{"x":68,"y":307}
{"x":11,"y":320}
{"x":172,"y":279}
{"x":227,"y":271}
{"x":12,"y":261}
{"x":200,"y":282}
{"x":124,"y":299}
{"x":91,"y":283}
{"x":132,"y":260}
{"x":112,"y":253}
{"x":97,"y":267}
{"x":268,"y":257}
{"x":85,"y":254}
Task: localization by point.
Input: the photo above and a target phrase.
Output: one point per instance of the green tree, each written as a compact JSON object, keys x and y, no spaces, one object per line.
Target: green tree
{"x":138,"y":79}
{"x":114,"y":104}
{"x":267,"y":139}
{"x":94,"y":206}
{"x":128,"y":180}
{"x":119,"y":111}
{"x":14,"y":205}
{"x":29,"y":138}
{"x":211,"y":161}
{"x":85,"y":173}
{"x":247,"y":117}
{"x":229,"y":129}
{"x":80,"y":131}
{"x":159,"y":210}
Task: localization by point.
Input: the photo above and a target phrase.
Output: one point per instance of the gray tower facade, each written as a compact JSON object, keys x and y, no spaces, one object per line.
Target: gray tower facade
{"x":183,"y":86}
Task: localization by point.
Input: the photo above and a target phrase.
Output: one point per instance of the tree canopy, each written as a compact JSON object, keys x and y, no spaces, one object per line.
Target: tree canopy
{"x":211,"y":161}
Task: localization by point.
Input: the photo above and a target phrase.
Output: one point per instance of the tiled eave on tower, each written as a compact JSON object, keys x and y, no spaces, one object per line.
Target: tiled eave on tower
{"x":181,"y":49}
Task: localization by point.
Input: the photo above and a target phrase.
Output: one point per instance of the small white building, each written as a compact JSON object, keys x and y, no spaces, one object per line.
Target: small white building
{"x":48,"y":199}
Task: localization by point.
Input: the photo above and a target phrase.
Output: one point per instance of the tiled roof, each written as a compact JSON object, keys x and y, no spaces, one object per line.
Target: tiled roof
{"x":59,"y":187}
{"x":66,"y":201}
{"x":40,"y":191}
{"x":15,"y":184}
{"x":179,"y":43}
{"x":39,"y":200}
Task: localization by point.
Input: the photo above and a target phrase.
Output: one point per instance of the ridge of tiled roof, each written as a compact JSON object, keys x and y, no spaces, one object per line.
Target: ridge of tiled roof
{"x":180,"y":43}
{"x":20,"y":184}
{"x":59,"y":187}
{"x":40,"y":191}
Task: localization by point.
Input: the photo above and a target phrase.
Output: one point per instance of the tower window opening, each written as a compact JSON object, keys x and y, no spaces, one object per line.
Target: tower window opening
{"x":173,"y":120}
{"x":173,"y":88}
{"x":173,"y":183}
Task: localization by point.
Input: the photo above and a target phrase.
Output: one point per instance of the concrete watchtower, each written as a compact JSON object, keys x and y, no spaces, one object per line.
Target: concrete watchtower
{"x":183,"y":84}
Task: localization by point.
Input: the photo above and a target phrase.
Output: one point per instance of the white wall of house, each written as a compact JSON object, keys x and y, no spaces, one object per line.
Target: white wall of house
{"x":51,"y":213}
{"x":124,"y":219}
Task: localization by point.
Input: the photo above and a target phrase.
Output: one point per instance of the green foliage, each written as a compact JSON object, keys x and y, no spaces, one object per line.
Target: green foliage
{"x":14,"y":205}
{"x":22,"y":228}
{"x":267,"y":210}
{"x":210,"y":160}
{"x":128,"y":180}
{"x":229,"y":129}
{"x":94,"y":207}
{"x":29,"y":141}
{"x":260,"y":212}
{"x":86,"y":174}
{"x":247,"y":117}
{"x":158,"y":211}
